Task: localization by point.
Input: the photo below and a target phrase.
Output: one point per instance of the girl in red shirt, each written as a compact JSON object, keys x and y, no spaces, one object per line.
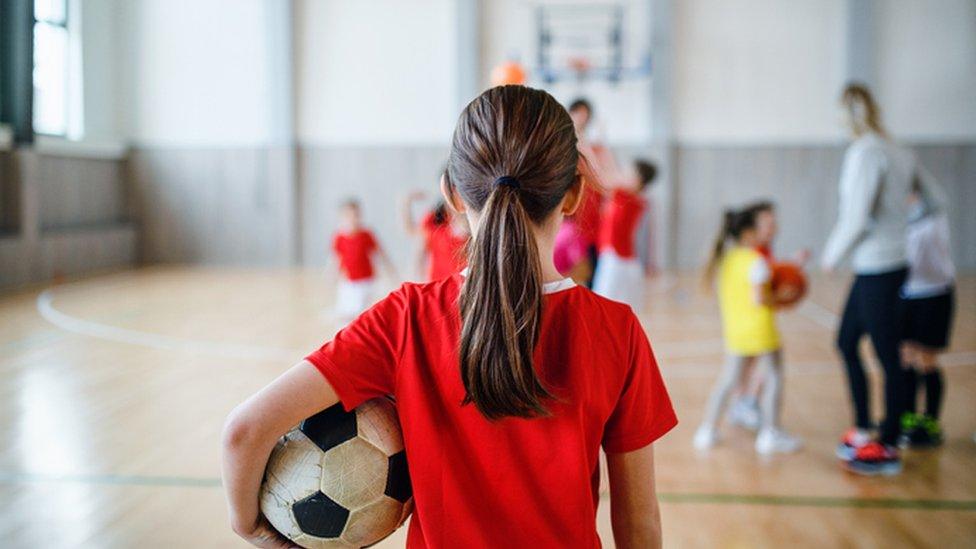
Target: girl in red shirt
{"x":445,"y":236}
{"x":508,"y":378}
{"x":619,"y":274}
{"x":355,"y":246}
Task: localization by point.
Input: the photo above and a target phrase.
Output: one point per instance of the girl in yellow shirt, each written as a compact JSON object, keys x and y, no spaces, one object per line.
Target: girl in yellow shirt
{"x":742,"y":278}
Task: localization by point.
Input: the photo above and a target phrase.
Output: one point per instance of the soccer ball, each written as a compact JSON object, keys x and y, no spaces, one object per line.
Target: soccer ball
{"x":339,"y":479}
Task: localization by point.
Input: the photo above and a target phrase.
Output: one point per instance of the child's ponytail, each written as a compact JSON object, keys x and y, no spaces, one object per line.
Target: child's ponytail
{"x":718,"y":248}
{"x":734,"y":223}
{"x":501,"y":310}
{"x":513,"y":158}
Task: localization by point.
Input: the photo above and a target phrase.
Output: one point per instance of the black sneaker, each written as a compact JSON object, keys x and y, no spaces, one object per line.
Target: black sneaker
{"x":928,"y":433}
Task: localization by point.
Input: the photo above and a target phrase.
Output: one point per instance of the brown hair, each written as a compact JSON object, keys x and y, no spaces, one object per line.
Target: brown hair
{"x":857,"y":97}
{"x":513,"y":158}
{"x":646,"y":173}
{"x":734,"y":223}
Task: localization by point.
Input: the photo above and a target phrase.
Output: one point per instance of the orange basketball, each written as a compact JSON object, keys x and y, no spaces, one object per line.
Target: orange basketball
{"x":789,"y":283}
{"x":509,"y":72}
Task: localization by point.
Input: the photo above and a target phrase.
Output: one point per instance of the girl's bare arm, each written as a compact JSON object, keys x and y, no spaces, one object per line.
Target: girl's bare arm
{"x":634,"y":512}
{"x":250,"y":434}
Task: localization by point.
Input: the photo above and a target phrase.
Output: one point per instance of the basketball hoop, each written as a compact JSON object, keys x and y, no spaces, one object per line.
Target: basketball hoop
{"x":582,"y":42}
{"x":579,"y":65}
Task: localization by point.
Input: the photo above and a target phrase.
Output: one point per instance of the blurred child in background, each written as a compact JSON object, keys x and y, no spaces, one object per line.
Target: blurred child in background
{"x":444,"y":234}
{"x":580,"y":230}
{"x":619,"y":274}
{"x":744,"y":410}
{"x":928,"y":301}
{"x":355,"y":246}
{"x":748,"y":320}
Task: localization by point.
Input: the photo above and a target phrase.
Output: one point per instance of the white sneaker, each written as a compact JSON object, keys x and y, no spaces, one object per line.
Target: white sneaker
{"x":775,"y":441}
{"x":705,"y":437}
{"x":745,"y":413}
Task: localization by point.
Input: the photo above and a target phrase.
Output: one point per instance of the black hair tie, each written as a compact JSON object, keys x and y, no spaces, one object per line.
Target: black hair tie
{"x":508,"y":181}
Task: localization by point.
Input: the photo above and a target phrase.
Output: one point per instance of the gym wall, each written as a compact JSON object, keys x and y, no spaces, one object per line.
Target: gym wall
{"x":247,"y":121}
{"x":756,"y":112}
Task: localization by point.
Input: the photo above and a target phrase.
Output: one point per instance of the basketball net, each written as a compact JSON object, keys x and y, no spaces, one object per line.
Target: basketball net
{"x":580,"y":66}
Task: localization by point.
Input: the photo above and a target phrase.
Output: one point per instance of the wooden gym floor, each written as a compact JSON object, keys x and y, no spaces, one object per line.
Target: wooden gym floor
{"x":113,"y":390}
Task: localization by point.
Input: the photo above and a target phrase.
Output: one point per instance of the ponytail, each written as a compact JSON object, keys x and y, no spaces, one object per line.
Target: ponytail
{"x":501,"y":312}
{"x":514,"y":156}
{"x":718,"y":248}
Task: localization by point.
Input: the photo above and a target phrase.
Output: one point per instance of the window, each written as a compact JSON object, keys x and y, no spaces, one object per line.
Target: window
{"x":51,"y":67}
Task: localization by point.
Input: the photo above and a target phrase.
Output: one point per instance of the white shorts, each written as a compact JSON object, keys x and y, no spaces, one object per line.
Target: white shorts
{"x":620,"y":279}
{"x":353,"y":297}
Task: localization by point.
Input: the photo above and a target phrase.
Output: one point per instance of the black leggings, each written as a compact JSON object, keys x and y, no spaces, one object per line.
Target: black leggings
{"x":872,"y":308}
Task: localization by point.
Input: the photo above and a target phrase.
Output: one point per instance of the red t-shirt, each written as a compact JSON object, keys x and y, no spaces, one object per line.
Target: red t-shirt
{"x":355,"y":251}
{"x":618,"y":226}
{"x":446,"y":248}
{"x":511,"y":482}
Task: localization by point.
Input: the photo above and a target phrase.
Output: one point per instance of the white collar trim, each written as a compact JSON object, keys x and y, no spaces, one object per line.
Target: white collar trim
{"x":548,"y":287}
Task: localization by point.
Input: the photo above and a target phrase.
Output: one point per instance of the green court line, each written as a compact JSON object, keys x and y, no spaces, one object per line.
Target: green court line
{"x":665,"y":497}
{"x":820,"y":501}
{"x":121,"y":480}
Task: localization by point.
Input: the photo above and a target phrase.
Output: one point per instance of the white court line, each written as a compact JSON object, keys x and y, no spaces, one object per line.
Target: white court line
{"x":819,"y":314}
{"x":797,"y":368}
{"x":688,"y":349}
{"x":97,"y":330}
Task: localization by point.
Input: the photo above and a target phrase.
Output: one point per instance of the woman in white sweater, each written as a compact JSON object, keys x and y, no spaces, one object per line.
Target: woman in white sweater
{"x":876,"y":180}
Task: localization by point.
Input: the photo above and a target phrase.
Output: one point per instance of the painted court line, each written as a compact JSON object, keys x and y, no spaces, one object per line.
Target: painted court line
{"x":45,"y":306}
{"x":665,"y":497}
{"x":820,"y":501}
{"x":683,"y":349}
{"x":120,"y":480}
{"x":818,"y":314}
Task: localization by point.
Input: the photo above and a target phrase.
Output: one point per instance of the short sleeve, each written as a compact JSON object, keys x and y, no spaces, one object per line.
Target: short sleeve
{"x":335,"y":243}
{"x":427,"y":224}
{"x":371,"y":244}
{"x":759,"y":272}
{"x":360,"y":362}
{"x":643,"y":412}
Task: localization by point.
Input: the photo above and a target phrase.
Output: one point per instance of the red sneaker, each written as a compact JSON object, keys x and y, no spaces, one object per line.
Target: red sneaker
{"x":875,"y":458}
{"x":853,"y":439}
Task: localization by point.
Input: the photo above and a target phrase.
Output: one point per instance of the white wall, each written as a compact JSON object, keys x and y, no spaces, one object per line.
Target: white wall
{"x":623,"y":111}
{"x":767,"y":71}
{"x":376,"y":72}
{"x":384,"y":72}
{"x":194,"y":73}
{"x":763,"y":71}
{"x":100,"y":91}
{"x":926,"y":67}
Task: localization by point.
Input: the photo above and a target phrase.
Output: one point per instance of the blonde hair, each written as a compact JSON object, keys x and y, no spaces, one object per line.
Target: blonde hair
{"x":862,"y":108}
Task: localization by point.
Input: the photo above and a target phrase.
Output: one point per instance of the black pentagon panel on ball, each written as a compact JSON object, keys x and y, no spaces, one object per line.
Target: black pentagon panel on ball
{"x":330,"y":427}
{"x":397,"y":479}
{"x":319,"y":516}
